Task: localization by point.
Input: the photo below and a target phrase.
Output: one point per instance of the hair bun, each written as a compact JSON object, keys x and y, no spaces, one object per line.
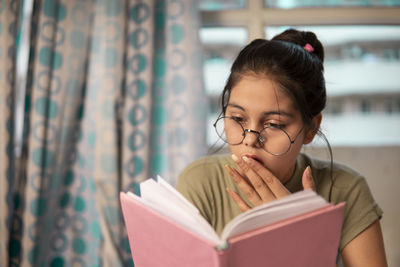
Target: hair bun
{"x":305,"y":39}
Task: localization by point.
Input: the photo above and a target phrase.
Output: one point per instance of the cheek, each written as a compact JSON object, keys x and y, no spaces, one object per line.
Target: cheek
{"x":282,"y":166}
{"x":277,"y":165}
{"x":287,"y":161}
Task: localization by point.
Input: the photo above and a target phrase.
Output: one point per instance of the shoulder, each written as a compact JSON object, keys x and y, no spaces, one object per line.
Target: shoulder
{"x":213,"y":161}
{"x":347,"y":185}
{"x":339,"y":168}
{"x":205,"y":170}
{"x":325,"y":171}
{"x":335,"y":178}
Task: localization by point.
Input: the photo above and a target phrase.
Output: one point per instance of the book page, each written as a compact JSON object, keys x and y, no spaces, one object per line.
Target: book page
{"x":170,"y":204}
{"x":178,"y":196}
{"x":287,"y":207}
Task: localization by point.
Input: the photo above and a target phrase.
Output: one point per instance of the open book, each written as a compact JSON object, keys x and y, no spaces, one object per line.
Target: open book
{"x":165,"y":229}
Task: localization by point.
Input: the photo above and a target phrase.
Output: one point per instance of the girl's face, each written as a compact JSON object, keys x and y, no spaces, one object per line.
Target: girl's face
{"x":258,"y":102}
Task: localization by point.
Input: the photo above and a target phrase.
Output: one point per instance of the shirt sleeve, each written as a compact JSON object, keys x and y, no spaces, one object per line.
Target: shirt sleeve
{"x":361,"y":210}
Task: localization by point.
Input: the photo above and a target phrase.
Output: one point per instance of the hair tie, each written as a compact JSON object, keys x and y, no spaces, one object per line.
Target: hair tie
{"x":308,"y":48}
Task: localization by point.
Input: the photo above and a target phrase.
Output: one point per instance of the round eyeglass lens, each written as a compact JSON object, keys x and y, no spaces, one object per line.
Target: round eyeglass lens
{"x":275,"y":140}
{"x":229,"y":130}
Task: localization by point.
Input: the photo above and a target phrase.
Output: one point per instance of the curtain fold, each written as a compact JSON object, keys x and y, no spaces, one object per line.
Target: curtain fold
{"x":114,"y":96}
{"x":9,"y":21}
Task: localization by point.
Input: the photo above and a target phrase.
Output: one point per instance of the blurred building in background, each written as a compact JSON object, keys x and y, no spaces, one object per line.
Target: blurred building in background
{"x":362,"y":66}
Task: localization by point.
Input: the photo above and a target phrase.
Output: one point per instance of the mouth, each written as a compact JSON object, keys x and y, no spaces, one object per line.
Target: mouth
{"x":255,"y":158}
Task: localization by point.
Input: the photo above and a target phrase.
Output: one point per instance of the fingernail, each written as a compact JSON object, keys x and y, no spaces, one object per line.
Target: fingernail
{"x":308,"y":169}
{"x":235,"y":158}
{"x":230,"y":192}
{"x":231,"y":173}
{"x":246,"y":159}
{"x":229,"y":169}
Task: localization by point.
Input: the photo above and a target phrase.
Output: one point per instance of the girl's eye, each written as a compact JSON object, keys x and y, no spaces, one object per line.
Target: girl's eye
{"x":237,"y":119}
{"x":274,"y":125}
{"x":240,"y":120}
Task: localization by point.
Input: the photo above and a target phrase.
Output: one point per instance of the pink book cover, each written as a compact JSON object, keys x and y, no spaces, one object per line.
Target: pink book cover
{"x":156,"y":240}
{"x":308,"y":240}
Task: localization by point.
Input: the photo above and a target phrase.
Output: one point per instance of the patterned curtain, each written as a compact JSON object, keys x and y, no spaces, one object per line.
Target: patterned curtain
{"x":9,"y":14}
{"x":113,"y":96}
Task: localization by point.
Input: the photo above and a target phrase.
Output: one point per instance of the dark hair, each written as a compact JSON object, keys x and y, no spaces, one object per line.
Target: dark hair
{"x":284,"y":59}
{"x":299,"y":72}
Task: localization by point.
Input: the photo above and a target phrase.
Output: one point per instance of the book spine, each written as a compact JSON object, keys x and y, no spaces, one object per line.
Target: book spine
{"x":222,"y":255}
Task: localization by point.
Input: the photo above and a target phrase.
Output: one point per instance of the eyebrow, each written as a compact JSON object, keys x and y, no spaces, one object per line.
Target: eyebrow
{"x":266,"y":113}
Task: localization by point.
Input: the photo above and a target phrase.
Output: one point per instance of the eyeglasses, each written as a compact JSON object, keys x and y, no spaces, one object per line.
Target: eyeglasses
{"x":272,"y":139}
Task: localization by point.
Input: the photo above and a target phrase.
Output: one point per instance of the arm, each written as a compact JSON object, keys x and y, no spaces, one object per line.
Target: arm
{"x":366,"y":249}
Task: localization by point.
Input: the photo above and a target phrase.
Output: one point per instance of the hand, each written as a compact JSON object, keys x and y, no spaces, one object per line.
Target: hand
{"x":259,"y":184}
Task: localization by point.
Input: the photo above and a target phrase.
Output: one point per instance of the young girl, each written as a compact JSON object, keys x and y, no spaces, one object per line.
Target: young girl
{"x":271,"y":106}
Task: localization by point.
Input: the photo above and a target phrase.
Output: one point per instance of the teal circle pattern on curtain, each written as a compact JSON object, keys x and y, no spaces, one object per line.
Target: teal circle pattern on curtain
{"x":110,"y":98}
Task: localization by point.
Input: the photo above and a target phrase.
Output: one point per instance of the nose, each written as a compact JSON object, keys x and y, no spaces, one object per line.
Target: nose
{"x":250,"y":138}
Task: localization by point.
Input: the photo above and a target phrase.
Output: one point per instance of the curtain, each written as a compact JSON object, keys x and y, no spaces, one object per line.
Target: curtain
{"x":113,"y":96}
{"x":8,"y":40}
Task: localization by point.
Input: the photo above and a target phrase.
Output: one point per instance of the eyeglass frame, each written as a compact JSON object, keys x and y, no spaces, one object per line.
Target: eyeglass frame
{"x":261,"y":142}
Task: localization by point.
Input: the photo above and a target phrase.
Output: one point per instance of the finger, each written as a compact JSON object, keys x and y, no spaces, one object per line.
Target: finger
{"x":246,"y":188}
{"x":256,"y":181}
{"x":238,"y":200}
{"x":307,"y":179}
{"x":240,"y":171}
{"x":274,"y":184}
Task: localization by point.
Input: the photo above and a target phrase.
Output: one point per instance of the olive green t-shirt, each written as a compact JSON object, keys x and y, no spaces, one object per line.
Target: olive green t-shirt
{"x":204,"y":183}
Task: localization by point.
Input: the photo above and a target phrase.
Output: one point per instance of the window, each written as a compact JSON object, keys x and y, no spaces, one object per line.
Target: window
{"x":220,"y":46}
{"x":366,"y":106}
{"x":327,"y":3}
{"x":361,"y":66}
{"x":218,"y":5}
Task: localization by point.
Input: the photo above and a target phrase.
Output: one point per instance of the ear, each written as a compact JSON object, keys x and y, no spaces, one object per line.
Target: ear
{"x":312,"y":131}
